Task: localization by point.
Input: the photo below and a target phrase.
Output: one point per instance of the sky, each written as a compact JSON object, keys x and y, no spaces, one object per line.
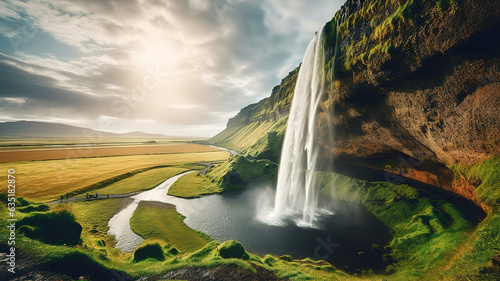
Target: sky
{"x":172,"y":67}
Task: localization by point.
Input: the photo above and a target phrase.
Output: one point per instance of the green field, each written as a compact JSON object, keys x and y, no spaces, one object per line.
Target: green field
{"x":146,"y":180}
{"x":193,"y":185}
{"x":162,"y":221}
{"x":94,"y":217}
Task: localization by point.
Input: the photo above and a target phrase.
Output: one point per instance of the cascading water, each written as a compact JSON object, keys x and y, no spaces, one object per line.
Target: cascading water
{"x":296,"y":192}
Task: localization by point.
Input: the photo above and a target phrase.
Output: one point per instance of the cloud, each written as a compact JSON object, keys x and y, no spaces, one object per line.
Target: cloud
{"x":174,"y":63}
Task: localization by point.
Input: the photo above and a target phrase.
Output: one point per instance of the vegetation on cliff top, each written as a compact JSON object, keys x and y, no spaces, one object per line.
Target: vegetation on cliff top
{"x":378,"y":27}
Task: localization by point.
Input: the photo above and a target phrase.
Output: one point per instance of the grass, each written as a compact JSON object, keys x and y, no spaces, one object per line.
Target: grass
{"x":256,"y":139}
{"x":48,"y":180}
{"x":94,"y":257}
{"x":162,"y":221}
{"x":193,"y":185}
{"x":426,"y":229}
{"x":488,"y":173}
{"x":94,"y":217}
{"x":149,"y":250}
{"x":52,"y":227}
{"x":146,"y":180}
{"x":16,"y":143}
{"x":472,"y":261}
{"x":236,"y":172}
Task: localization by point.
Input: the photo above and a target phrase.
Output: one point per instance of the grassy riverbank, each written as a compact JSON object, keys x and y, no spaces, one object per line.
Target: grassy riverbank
{"x":162,"y":221}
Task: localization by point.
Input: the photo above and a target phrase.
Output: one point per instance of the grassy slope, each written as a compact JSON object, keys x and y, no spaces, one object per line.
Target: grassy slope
{"x":425,"y":229}
{"x":473,"y":261}
{"x":257,"y":139}
{"x":258,"y":129}
{"x":193,"y":185}
{"x":94,"y":217}
{"x":47,"y":180}
{"x":488,"y":172}
{"x":167,"y":224}
{"x":432,"y":237}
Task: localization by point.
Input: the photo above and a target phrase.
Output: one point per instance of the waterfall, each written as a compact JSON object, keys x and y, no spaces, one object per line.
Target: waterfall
{"x":296,"y":191}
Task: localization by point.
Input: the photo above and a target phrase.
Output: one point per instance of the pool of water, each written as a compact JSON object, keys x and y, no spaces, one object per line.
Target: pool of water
{"x":345,"y":236}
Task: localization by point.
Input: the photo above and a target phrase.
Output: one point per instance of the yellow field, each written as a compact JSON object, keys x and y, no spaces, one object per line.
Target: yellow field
{"x":43,"y":143}
{"x":98,"y":151}
{"x":48,"y":180}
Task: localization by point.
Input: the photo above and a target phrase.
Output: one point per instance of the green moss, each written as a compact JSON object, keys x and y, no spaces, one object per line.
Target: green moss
{"x":56,"y":227}
{"x":488,"y":173}
{"x":149,"y":250}
{"x":232,"y":249}
{"x":426,"y":230}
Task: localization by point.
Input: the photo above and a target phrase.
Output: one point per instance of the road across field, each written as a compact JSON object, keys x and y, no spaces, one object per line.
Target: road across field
{"x":93,"y":151}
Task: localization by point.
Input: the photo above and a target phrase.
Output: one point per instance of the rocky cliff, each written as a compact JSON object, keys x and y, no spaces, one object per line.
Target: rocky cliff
{"x":414,"y":80}
{"x":416,"y":77}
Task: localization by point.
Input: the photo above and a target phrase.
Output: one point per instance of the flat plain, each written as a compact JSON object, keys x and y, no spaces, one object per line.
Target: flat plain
{"x":7,"y":156}
{"x":49,"y":179}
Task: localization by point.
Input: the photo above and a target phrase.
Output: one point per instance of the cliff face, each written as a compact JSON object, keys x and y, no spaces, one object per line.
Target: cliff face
{"x":417,"y":79}
{"x":431,"y":91}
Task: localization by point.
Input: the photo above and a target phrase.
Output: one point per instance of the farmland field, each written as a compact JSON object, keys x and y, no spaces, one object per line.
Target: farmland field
{"x":92,"y":151}
{"x":49,"y":179}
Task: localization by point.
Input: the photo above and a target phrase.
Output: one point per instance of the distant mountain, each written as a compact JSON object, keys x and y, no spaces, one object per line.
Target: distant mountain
{"x":29,"y":129}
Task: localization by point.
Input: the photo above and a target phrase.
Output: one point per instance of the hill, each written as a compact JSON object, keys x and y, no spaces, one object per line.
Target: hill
{"x":33,"y":129}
